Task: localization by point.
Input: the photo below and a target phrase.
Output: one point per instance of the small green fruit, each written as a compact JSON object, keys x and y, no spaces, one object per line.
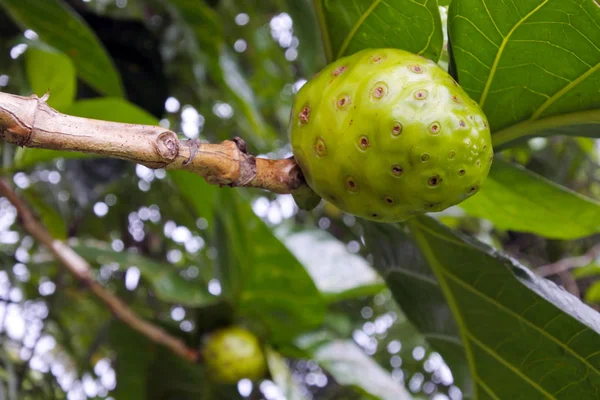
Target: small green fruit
{"x":385,"y":135}
{"x":231,"y":354}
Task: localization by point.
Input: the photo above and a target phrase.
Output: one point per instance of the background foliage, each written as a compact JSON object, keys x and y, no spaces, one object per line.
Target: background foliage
{"x":443,"y":306}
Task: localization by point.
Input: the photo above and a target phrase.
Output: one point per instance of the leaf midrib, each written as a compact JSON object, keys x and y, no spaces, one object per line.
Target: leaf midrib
{"x":356,"y":26}
{"x":501,"y":50}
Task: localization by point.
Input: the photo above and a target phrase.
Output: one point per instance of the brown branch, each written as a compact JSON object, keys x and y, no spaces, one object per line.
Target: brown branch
{"x":31,"y":122}
{"x":569,"y":263}
{"x":80,"y":268}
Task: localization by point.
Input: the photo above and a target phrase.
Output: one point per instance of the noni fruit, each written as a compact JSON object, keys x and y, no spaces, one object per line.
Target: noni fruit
{"x":385,"y":134}
{"x":231,"y":354}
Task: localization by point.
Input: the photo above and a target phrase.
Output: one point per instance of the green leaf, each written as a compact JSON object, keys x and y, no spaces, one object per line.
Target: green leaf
{"x":586,"y":271}
{"x":350,"y":366}
{"x":105,"y":109}
{"x":165,"y":279}
{"x":264,"y":279}
{"x":514,"y":198}
{"x":350,"y":26}
{"x":60,"y":27}
{"x":51,"y":71}
{"x":134,"y":355}
{"x":337,"y":273}
{"x":282,"y":376}
{"x":533,"y":65}
{"x":504,"y":332}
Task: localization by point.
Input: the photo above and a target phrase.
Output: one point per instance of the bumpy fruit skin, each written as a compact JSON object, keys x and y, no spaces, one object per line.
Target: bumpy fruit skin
{"x":385,"y":135}
{"x":231,"y":354}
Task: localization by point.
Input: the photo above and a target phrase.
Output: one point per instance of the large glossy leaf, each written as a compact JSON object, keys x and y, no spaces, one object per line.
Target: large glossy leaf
{"x":337,"y":273}
{"x":350,"y":366}
{"x":534,"y":64}
{"x":353,"y":25}
{"x":57,"y":76}
{"x":105,"y":108}
{"x":515,"y":198}
{"x":166,"y":281}
{"x":506,"y":333}
{"x":268,"y":284}
{"x":60,"y":27}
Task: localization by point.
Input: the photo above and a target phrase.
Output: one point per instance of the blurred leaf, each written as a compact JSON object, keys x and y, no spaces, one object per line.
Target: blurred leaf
{"x":105,"y":109}
{"x":168,"y":284}
{"x":207,"y":25}
{"x":282,"y":376}
{"x":593,"y":293}
{"x":514,"y":198}
{"x":53,"y":221}
{"x":134,"y":355}
{"x":534,"y":66}
{"x":196,"y":192}
{"x":587,"y":271}
{"x":51,"y":71}
{"x":337,"y":273}
{"x":350,"y":366}
{"x":172,"y":377}
{"x":263,"y":277}
{"x":489,"y":315}
{"x":60,"y":27}
{"x":412,"y":25}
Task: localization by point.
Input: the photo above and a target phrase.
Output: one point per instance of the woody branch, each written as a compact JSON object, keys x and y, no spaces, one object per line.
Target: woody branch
{"x":31,"y":122}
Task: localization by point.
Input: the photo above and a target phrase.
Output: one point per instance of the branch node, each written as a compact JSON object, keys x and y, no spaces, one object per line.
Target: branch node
{"x":167,"y":145}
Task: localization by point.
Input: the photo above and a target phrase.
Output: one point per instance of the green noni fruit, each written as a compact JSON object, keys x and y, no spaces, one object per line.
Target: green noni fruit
{"x":231,"y":354}
{"x":385,"y":134}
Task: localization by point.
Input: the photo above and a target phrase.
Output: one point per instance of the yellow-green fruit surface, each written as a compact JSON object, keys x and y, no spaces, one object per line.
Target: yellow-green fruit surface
{"x":231,"y":354}
{"x":385,"y":134}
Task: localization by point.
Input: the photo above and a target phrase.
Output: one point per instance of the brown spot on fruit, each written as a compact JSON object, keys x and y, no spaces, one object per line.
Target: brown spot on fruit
{"x":434,"y":181}
{"x":451,"y":154}
{"x":363,"y":142}
{"x":320,"y":147}
{"x":416,"y":69}
{"x":472,"y":190}
{"x":435,"y":128}
{"x":377,"y":59}
{"x":343,"y":101}
{"x":397,"y":129}
{"x":388,"y":199}
{"x":304,"y":115}
{"x":420,"y":94}
{"x":397,"y":170}
{"x":478,"y":163}
{"x":425,"y":157}
{"x":339,"y":70}
{"x":351,"y":184}
{"x":456,"y":99}
{"x":462,"y":124}
{"x":374,"y":215}
{"x":462,"y":172}
{"x":379,"y":91}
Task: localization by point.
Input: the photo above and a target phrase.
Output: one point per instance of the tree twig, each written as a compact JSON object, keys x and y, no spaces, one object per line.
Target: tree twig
{"x":31,"y":122}
{"x":80,"y":268}
{"x":569,"y":263}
